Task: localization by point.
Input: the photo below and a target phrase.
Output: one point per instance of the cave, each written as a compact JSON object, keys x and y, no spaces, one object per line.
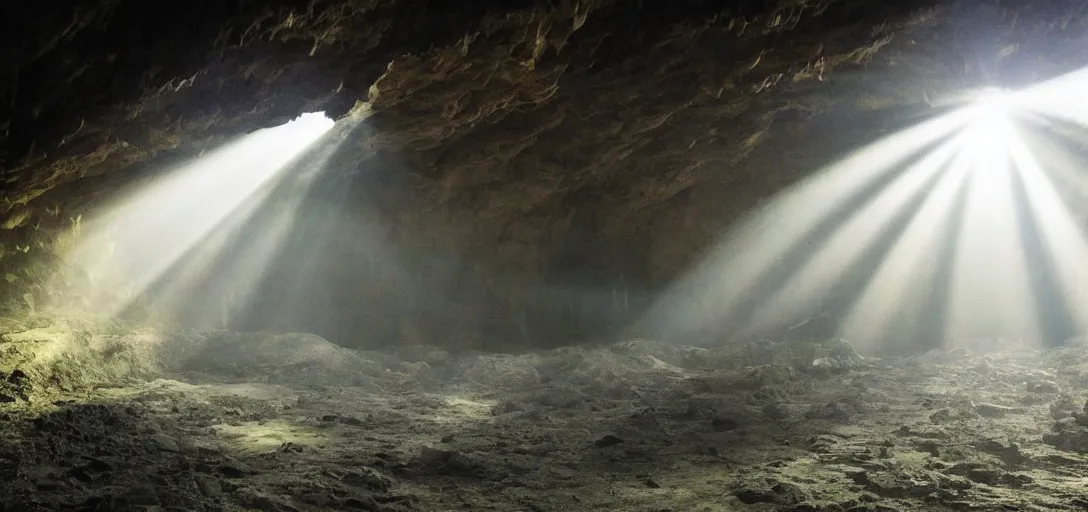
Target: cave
{"x":559,"y":255}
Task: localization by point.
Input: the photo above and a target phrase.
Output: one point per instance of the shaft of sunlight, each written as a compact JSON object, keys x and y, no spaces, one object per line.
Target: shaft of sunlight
{"x":135,"y":240}
{"x":843,"y":250}
{"x":908,"y":278}
{"x":1060,"y":99}
{"x":991,"y":297}
{"x":241,"y":249}
{"x":964,"y":229}
{"x":718,"y":292}
{"x":1063,"y":240}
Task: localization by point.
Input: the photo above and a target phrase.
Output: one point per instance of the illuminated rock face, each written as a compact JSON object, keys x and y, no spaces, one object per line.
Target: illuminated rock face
{"x":524,"y":173}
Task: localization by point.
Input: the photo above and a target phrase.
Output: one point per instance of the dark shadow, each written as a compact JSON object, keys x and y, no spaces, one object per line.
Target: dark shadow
{"x":118,"y":454}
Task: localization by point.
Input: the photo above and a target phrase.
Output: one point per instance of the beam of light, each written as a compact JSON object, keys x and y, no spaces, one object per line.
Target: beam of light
{"x":1061,"y":98}
{"x":1065,"y":247}
{"x":238,"y":252}
{"x":758,"y":253}
{"x":907,"y":278}
{"x":990,"y":296}
{"x":843,"y":250}
{"x":310,"y":252}
{"x":912,"y":240}
{"x":136,"y":240}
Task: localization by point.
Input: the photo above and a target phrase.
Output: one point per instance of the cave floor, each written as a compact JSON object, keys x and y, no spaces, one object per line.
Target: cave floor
{"x":637,"y":426}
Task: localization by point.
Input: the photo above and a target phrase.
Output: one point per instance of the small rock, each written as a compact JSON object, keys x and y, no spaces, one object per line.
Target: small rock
{"x":608,"y":440}
{"x":165,"y":443}
{"x":1009,"y":453}
{"x":1043,"y":387}
{"x":45,"y":485}
{"x":941,"y":416}
{"x":652,"y":484}
{"x":446,"y":462}
{"x":946,"y":415}
{"x":924,"y":433}
{"x":17,"y":377}
{"x":352,"y":421}
{"x":1068,"y":436}
{"x":722,"y":424}
{"x":778,"y":493}
{"x":208,"y":486}
{"x":90,"y":472}
{"x":859,"y":476}
{"x":289,"y":447}
{"x":933,"y":448}
{"x":1062,"y":408}
{"x":984,"y":474}
{"x":837,"y":410}
{"x":433,"y":456}
{"x":844,"y":351}
{"x":232,"y":469}
{"x":364,"y":503}
{"x":367,"y":477}
{"x":776,"y":411}
{"x":825,"y":364}
{"x":822,"y":444}
{"x":506,"y":407}
{"x":995,"y":411}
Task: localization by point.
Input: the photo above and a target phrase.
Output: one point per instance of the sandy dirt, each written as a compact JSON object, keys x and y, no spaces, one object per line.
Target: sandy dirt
{"x":293,"y":422}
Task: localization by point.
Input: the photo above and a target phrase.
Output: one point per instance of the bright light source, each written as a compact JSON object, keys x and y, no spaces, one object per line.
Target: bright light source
{"x":315,"y":123}
{"x":993,"y":98}
{"x":135,"y":241}
{"x":992,"y":106}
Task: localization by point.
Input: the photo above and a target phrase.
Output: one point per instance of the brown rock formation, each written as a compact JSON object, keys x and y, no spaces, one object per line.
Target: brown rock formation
{"x":527,"y":173}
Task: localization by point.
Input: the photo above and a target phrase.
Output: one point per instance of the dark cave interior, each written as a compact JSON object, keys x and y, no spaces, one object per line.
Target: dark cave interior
{"x":543,"y":255}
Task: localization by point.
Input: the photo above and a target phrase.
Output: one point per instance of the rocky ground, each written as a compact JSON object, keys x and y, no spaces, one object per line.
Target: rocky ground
{"x":226,"y":421}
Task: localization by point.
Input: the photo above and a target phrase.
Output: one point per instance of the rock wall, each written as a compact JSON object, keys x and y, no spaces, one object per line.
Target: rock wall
{"x":535,"y":171}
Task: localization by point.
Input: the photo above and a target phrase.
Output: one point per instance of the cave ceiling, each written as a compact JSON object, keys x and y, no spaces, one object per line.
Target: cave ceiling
{"x":509,"y":132}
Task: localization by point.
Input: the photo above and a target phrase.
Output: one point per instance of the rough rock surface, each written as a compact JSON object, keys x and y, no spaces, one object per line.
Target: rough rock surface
{"x":536,"y":150}
{"x":638,"y":425}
